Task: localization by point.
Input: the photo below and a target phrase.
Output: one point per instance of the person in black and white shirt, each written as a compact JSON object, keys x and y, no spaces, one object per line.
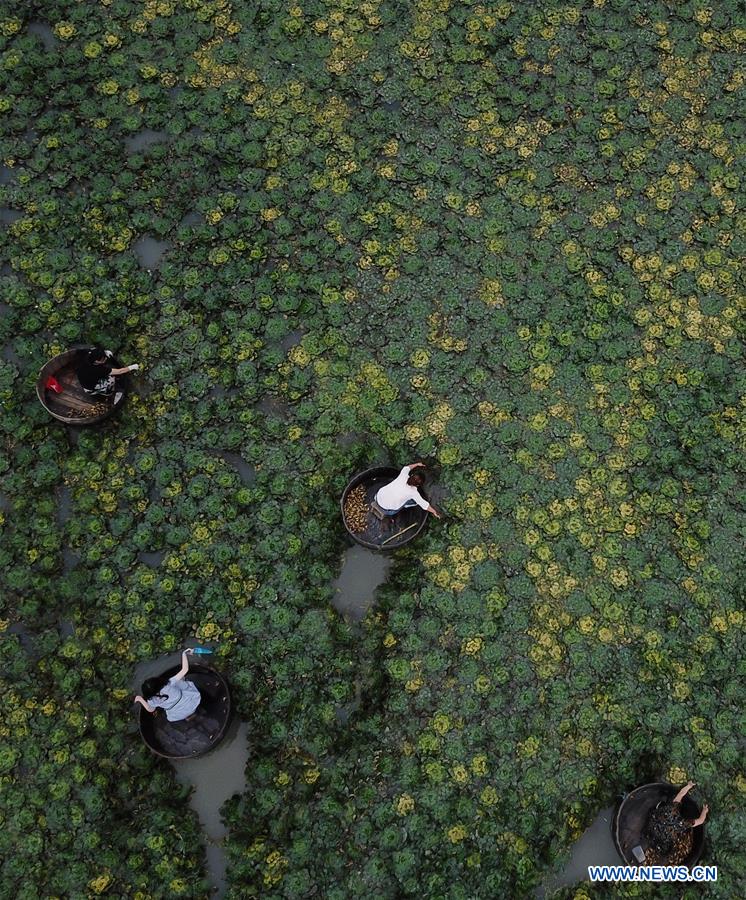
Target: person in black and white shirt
{"x":96,"y":374}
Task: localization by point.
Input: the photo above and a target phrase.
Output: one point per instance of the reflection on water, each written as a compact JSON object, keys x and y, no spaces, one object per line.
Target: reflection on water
{"x":594,"y":847}
{"x":362,"y":572}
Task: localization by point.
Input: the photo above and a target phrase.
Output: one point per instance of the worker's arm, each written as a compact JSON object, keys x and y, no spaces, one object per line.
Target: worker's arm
{"x":701,"y":817}
{"x":123,"y":371}
{"x":139,"y":699}
{"x":415,"y":465}
{"x":684,"y":791}
{"x":184,"y":665}
{"x":434,"y":511}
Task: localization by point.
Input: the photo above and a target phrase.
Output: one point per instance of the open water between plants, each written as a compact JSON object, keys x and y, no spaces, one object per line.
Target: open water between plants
{"x":213,"y":778}
{"x":594,"y":847}
{"x":363,"y":571}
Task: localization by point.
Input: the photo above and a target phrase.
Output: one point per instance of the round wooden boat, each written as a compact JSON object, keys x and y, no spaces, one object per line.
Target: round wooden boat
{"x":73,"y":405}
{"x":201,"y":733}
{"x":393,"y":531}
{"x":631,"y":817}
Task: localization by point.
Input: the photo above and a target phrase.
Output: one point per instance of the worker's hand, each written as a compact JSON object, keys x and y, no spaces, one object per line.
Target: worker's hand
{"x":108,"y":353}
{"x":134,"y":367}
{"x":690,"y":785}
{"x":189,"y":650}
{"x":705,"y":810}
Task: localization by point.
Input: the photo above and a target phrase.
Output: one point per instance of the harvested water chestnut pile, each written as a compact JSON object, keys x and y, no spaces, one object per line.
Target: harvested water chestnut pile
{"x":356,"y":509}
{"x":501,"y":235}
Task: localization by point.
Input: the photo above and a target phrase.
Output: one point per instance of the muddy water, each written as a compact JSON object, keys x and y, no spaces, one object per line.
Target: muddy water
{"x":44,"y":31}
{"x":291,"y":340}
{"x":153,"y":559}
{"x":149,"y":251}
{"x":214,"y":777}
{"x":594,"y":847}
{"x":8,"y":216}
{"x":244,"y":469}
{"x":143,"y":140}
{"x":64,"y":505}
{"x":355,"y":588}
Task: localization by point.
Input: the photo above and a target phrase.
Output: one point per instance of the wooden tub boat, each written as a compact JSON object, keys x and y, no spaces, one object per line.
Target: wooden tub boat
{"x":631,"y":817}
{"x":198,"y":735}
{"x":380,"y":534}
{"x":73,"y":405}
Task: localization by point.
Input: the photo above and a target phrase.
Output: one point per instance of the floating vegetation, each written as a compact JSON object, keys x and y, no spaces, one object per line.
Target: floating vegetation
{"x":511,"y":236}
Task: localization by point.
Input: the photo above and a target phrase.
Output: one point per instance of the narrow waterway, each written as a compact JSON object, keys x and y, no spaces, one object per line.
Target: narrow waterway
{"x":594,"y":847}
{"x":214,"y":778}
{"x":363,"y":571}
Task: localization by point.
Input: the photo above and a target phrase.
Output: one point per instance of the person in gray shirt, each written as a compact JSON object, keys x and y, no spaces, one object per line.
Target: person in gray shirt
{"x":178,"y":697}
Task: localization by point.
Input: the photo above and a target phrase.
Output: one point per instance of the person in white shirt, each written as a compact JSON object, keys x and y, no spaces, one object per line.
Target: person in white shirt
{"x":403,"y":491}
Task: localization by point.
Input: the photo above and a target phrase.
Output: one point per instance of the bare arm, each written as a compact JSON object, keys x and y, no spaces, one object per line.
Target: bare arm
{"x":701,"y":817}
{"x":184,"y":665}
{"x":415,"y":465}
{"x":125,"y":369}
{"x":434,"y":511}
{"x":139,"y":699}
{"x":684,"y":791}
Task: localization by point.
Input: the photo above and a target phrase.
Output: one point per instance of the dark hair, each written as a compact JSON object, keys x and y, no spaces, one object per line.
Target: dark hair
{"x":95,"y":354}
{"x":151,"y":687}
{"x":416,"y":479}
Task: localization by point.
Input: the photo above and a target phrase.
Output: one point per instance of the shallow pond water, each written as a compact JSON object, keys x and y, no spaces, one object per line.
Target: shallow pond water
{"x":136,"y":143}
{"x":149,"y":251}
{"x":44,"y":31}
{"x":244,"y":469}
{"x":8,"y":216}
{"x":64,"y":505}
{"x":214,"y":778}
{"x":291,"y":340}
{"x":594,"y":847}
{"x":153,"y":559}
{"x":70,"y":559}
{"x":363,"y":571}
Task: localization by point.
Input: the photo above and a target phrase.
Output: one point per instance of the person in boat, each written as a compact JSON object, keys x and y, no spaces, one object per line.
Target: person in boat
{"x":669,"y":833}
{"x":403,"y":492}
{"x":96,"y":374}
{"x":176,"y":696}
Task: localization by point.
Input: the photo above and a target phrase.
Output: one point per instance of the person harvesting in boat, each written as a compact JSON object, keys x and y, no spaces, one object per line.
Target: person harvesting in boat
{"x":403,"y":491}
{"x":669,"y":832}
{"x":178,"y":697}
{"x":97,"y":376}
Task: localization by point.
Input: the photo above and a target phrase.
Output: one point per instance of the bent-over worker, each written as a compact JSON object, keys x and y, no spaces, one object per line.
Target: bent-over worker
{"x":97,"y":376}
{"x":403,"y":492}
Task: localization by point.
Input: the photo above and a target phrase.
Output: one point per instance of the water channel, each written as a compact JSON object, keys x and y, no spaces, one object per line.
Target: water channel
{"x":594,"y":847}
{"x":363,"y":571}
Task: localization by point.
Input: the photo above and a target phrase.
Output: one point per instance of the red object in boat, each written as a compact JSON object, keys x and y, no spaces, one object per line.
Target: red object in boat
{"x":53,"y":385}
